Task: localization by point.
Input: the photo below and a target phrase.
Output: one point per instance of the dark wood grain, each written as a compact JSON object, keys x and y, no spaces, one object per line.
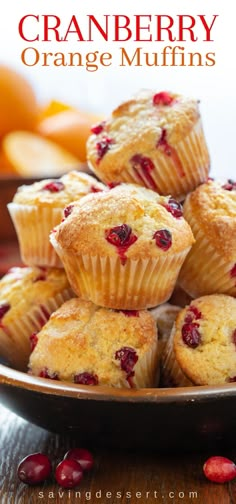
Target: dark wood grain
{"x":173,"y":478}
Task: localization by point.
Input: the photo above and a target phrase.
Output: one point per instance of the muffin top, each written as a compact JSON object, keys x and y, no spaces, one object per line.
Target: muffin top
{"x":58,"y":192}
{"x":128,"y":221}
{"x":205,"y":340}
{"x":86,"y":344}
{"x":139,"y":125}
{"x":213,"y":205}
{"x":22,"y":288}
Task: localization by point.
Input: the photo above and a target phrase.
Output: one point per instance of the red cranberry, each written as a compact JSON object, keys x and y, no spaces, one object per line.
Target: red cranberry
{"x":163,"y":98}
{"x":194,"y":314}
{"x":234,"y":336}
{"x":111,"y":185}
{"x":86,"y":379}
{"x":232,"y":379}
{"x":163,"y":144}
{"x":143,"y":165}
{"x":191,"y":335}
{"x":103,"y":146}
{"x":69,"y":473}
{"x":119,"y":235}
{"x":55,"y":186}
{"x":33,"y":341}
{"x":34,"y":469}
{"x":163,"y":239}
{"x":122,"y":238}
{"x":219,"y":469}
{"x":68,"y":210}
{"x":233,"y":271}
{"x":175,"y":208}
{"x":128,"y":358}
{"x":130,"y":313}
{"x":4,"y":308}
{"x":46,"y":374}
{"x":84,"y":457}
{"x":95,"y":189}
{"x":98,"y":128}
{"x":44,"y":316}
{"x":230,"y":185}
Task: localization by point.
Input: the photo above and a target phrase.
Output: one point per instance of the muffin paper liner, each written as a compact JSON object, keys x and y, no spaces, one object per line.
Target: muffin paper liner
{"x":171,"y":372}
{"x":33,"y":226}
{"x":147,"y":369}
{"x":14,"y":338}
{"x":204,"y":270}
{"x":175,"y":174}
{"x":138,"y":284}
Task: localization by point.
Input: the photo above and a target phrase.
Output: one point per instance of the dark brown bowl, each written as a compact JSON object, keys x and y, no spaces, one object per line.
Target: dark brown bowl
{"x":160,"y":419}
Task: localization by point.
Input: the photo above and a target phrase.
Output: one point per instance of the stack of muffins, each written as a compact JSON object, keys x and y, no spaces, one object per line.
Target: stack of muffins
{"x":117,"y":248}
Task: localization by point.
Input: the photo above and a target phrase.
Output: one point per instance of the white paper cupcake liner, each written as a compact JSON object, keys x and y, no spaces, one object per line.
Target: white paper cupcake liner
{"x":33,"y":226}
{"x":171,"y":372}
{"x":14,"y":338}
{"x":204,"y":270}
{"x":138,"y":284}
{"x":147,"y":369}
{"x":177,"y":174}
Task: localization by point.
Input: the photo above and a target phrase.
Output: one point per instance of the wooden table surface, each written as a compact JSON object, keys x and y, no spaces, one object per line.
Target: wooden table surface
{"x":129,"y":477}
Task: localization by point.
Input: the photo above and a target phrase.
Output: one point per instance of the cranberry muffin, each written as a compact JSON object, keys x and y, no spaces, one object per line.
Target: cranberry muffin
{"x":210,"y":267}
{"x":123,"y":248}
{"x":88,"y":345}
{"x":155,"y":140}
{"x":202,"y":346}
{"x":36,"y":209}
{"x":28,"y":296}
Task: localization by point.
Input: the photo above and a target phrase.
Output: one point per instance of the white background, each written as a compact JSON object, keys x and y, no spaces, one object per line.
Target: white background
{"x":102,"y":90}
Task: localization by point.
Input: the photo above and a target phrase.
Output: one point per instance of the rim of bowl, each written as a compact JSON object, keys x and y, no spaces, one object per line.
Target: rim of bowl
{"x":19,"y":379}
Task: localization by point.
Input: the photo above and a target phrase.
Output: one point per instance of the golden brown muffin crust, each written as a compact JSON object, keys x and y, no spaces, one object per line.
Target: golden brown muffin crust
{"x":81,"y":337}
{"x":213,"y":360}
{"x":76,"y":185}
{"x":215,"y":209}
{"x":137,"y":125}
{"x":84,"y":231}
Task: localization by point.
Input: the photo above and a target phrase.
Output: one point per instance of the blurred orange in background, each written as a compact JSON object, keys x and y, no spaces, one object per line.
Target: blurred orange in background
{"x":70,"y":129}
{"x":30,"y":155}
{"x":18,"y":104}
{"x":39,"y":141}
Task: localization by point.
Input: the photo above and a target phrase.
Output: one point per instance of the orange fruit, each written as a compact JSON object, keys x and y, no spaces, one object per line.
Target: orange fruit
{"x":18,"y":105}
{"x":70,"y":129}
{"x":30,"y":155}
{"x":52,"y":108}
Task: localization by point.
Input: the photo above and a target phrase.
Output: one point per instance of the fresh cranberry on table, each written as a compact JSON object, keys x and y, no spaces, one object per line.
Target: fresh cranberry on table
{"x":34,"y":469}
{"x":69,"y":473}
{"x":219,"y":469}
{"x":81,"y":455}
